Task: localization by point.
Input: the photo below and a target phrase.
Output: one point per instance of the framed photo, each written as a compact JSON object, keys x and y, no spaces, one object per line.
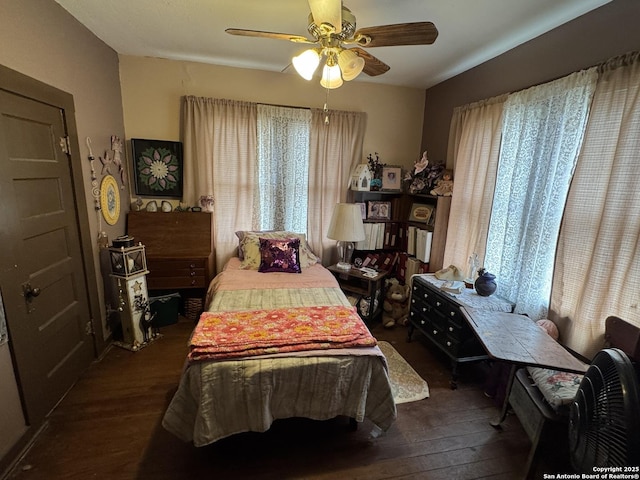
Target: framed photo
{"x":420,"y":213}
{"x":379,"y":211}
{"x":363,"y":209}
{"x":157,"y":167}
{"x":392,"y":179}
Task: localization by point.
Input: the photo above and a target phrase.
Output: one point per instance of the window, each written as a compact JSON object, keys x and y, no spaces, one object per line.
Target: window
{"x":281,"y":196}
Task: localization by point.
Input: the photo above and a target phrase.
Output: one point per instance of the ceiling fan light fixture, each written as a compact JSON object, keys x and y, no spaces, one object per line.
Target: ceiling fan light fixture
{"x":306,"y":63}
{"x":331,"y":77}
{"x":350,"y":64}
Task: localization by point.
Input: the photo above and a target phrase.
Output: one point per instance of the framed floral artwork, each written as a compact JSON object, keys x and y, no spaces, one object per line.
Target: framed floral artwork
{"x":157,"y":167}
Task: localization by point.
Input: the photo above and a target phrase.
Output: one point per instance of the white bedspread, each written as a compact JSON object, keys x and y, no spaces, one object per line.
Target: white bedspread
{"x":216,"y":399}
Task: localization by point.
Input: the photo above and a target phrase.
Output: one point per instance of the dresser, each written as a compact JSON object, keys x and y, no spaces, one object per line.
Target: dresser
{"x":179,"y":248}
{"x":437,"y":315}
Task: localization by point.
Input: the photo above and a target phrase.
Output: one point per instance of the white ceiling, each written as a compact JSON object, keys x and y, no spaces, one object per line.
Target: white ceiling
{"x":471,"y":31}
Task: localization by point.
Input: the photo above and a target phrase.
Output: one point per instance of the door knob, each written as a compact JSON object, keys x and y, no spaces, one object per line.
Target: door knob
{"x":30,"y":292}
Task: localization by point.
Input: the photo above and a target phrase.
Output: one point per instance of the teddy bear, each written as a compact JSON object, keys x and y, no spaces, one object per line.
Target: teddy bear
{"x":396,"y":304}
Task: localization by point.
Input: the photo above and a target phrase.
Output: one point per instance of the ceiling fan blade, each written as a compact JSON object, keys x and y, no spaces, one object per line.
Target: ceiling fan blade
{"x":274,"y":35}
{"x":327,"y":11}
{"x":372,"y":65}
{"x":417,"y":33}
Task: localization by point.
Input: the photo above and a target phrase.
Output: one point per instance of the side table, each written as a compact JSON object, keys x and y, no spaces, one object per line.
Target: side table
{"x":354,"y":281}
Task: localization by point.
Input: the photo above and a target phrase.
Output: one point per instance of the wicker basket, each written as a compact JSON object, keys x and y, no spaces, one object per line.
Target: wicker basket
{"x":193,"y":308}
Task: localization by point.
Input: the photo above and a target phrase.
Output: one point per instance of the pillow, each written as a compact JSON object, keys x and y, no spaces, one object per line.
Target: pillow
{"x":249,"y":247}
{"x":242,"y":233}
{"x":549,"y":327}
{"x":558,"y":388}
{"x":280,"y":255}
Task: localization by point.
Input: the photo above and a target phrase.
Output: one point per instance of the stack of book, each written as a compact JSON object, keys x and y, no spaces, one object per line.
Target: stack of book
{"x":408,"y":266}
{"x":381,"y":260}
{"x":419,"y":243}
{"x":379,"y":235}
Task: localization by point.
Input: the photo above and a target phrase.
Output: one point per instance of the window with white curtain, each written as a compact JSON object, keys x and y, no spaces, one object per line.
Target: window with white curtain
{"x":542,"y":133}
{"x":281,"y":189}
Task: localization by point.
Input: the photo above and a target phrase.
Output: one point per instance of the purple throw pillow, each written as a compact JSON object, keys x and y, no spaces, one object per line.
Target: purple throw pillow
{"x":280,"y":255}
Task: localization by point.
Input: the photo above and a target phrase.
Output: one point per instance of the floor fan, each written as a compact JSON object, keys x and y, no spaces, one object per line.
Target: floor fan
{"x":604,"y":419}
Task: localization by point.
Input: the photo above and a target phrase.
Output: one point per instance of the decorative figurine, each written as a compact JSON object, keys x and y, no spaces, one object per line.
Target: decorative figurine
{"x":444,"y":186}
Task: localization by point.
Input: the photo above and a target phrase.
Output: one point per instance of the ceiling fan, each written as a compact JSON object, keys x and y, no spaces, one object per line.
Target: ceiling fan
{"x":333,"y":28}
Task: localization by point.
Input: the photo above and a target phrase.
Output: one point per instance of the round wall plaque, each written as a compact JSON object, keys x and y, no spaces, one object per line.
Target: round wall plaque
{"x":110,"y":199}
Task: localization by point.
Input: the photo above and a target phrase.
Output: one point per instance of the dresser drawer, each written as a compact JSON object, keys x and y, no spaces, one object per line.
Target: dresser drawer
{"x":177,"y":273}
{"x":425,"y":320}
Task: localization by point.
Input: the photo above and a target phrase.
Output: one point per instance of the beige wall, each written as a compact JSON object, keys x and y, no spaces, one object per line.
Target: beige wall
{"x":151,"y":91}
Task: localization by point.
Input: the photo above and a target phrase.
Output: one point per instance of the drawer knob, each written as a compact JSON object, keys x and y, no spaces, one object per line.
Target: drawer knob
{"x":193,"y":282}
{"x":451,"y":329}
{"x":435,"y":332}
{"x":413,"y":300}
{"x":421,"y":322}
{"x":425,"y":295}
{"x":438,"y":304}
{"x":424,"y":309}
{"x":193,"y":274}
{"x":448,"y":344}
{"x":453,"y":314}
{"x":193,"y":265}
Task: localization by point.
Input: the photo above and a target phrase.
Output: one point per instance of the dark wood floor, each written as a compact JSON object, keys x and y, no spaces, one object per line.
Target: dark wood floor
{"x":108,"y":427}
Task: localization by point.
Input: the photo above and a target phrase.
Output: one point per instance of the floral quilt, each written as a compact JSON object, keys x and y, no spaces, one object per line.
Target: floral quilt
{"x":233,"y":334}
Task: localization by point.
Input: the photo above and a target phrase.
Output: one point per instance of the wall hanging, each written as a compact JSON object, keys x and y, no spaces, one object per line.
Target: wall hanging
{"x":110,"y":199}
{"x":157,"y":166}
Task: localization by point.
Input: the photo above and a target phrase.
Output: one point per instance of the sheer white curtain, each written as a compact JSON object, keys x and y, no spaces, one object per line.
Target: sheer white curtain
{"x":598,"y":261}
{"x":542,"y":132}
{"x":335,"y":150}
{"x":280,"y":199}
{"x":476,"y":130}
{"x":219,"y":139}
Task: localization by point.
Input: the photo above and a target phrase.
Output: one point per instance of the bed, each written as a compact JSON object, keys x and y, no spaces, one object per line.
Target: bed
{"x":277,"y":342}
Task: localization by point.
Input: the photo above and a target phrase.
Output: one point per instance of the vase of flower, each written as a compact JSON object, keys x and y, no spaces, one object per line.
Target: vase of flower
{"x":485,"y":283}
{"x":375,"y":166}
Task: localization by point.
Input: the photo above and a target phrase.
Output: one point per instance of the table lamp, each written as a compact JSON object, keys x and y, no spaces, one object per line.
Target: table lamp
{"x":346,"y":227}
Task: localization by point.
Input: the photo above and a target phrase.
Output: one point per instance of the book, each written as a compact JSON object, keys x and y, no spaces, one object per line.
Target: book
{"x":411,"y":239}
{"x":423,"y":245}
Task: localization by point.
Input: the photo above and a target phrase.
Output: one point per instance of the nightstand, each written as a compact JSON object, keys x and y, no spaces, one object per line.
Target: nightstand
{"x":354,"y":281}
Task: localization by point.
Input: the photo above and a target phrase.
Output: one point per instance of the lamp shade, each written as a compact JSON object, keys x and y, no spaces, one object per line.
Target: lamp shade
{"x":331,"y":76}
{"x":306,"y":63}
{"x":346,"y":223}
{"x":350,"y":64}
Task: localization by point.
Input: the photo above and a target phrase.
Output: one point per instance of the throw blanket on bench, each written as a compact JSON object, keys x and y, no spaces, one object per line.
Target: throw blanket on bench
{"x":223,"y":335}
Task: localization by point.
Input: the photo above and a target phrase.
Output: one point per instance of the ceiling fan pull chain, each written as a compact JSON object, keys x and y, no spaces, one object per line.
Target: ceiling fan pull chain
{"x":326,"y":109}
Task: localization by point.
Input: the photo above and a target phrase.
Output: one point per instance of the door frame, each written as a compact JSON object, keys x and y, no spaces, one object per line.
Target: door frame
{"x":20,"y":84}
{"x":17,"y":83}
